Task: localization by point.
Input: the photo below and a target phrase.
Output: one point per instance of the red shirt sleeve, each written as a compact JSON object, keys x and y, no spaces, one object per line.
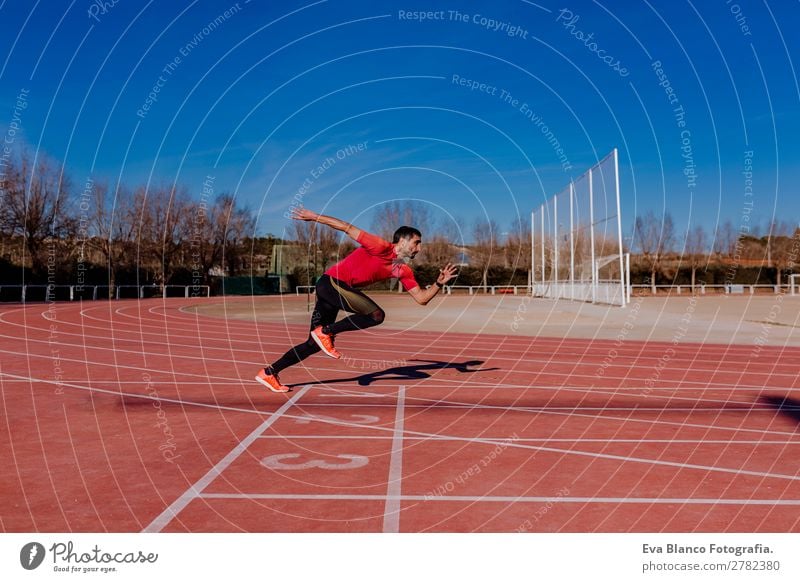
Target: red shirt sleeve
{"x":374,"y":245}
{"x":407,"y":278}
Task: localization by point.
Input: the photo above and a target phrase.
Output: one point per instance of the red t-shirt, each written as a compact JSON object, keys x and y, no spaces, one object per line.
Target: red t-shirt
{"x":375,"y":260}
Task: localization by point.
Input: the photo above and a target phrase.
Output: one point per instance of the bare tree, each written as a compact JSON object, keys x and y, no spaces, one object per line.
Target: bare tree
{"x":112,"y":228}
{"x":439,"y":247}
{"x":163,"y":228}
{"x":655,"y":237}
{"x":234,"y":224}
{"x":695,"y":250}
{"x":517,"y":250}
{"x":392,"y":215}
{"x":485,"y":248}
{"x":35,"y":206}
{"x":725,"y":238}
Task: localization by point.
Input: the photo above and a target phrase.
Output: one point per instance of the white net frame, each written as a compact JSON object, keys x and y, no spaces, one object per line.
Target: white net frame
{"x":576,"y":240}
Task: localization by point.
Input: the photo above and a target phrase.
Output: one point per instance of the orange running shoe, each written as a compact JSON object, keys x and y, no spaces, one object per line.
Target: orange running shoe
{"x":325,"y":342}
{"x":271,"y":381}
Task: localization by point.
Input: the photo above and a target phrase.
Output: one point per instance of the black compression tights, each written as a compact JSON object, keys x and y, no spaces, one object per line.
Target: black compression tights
{"x":333,"y":296}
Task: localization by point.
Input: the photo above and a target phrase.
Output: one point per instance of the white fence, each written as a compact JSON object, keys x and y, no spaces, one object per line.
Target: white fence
{"x":727,"y":289}
{"x":39,"y":293}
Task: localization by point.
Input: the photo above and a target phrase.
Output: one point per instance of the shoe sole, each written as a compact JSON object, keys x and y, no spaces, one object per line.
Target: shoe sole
{"x":322,"y":347}
{"x":260,"y":380}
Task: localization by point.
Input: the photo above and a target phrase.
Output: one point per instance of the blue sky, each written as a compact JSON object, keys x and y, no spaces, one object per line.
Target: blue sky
{"x":272,"y":99}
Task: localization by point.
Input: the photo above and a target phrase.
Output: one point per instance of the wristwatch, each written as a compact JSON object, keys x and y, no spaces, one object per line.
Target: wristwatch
{"x":439,"y":285}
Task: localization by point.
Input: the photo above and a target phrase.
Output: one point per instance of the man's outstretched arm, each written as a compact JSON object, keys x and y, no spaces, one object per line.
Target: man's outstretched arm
{"x":345,"y":227}
{"x":423,"y":296}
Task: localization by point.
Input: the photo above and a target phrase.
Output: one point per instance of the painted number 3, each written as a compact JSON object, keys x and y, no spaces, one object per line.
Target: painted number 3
{"x":276,"y":462}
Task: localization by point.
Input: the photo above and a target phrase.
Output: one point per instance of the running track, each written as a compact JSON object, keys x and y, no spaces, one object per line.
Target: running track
{"x":142,"y":416}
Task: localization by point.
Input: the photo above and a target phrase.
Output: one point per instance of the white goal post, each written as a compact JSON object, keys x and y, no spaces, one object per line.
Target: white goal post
{"x":576,"y":240}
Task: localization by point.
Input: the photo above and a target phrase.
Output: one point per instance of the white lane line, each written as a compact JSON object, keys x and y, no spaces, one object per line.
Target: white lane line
{"x":477,"y":341}
{"x":336,"y":437}
{"x":692,"y":385}
{"x":660,"y":409}
{"x":196,"y":489}
{"x":391,"y":512}
{"x":505,"y":499}
{"x":514,"y":444}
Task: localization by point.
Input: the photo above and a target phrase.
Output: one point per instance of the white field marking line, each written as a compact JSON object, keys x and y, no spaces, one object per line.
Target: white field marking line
{"x":587,"y":345}
{"x":502,"y":499}
{"x":192,"y":317}
{"x":168,"y":312}
{"x":335,"y":437}
{"x":196,"y":489}
{"x":674,"y":365}
{"x":226,"y":380}
{"x":614,"y":418}
{"x":545,"y":408}
{"x":137,"y":382}
{"x":458,"y":383}
{"x":466,"y":440}
{"x":552,"y":360}
{"x":700,"y":385}
{"x":607,"y":391}
{"x":141,"y":396}
{"x":475,"y":345}
{"x":467,"y":405}
{"x":560,"y":343}
{"x":391,"y":512}
{"x":120,"y":366}
{"x":612,"y":393}
{"x":17,"y":470}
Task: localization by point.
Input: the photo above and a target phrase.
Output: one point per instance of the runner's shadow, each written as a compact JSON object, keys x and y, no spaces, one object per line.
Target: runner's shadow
{"x":404,"y":373}
{"x":784,"y":405}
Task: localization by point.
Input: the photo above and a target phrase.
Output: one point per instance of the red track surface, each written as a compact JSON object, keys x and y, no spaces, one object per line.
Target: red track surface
{"x":138,"y":416}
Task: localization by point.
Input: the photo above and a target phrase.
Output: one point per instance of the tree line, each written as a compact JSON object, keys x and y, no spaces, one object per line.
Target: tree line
{"x":56,"y":231}
{"x":750,"y":254}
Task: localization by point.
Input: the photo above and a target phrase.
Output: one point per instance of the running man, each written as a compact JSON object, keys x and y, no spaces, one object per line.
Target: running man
{"x":376,"y":260}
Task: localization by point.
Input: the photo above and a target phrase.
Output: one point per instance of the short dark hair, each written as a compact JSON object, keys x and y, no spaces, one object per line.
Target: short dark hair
{"x":405,"y":232}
